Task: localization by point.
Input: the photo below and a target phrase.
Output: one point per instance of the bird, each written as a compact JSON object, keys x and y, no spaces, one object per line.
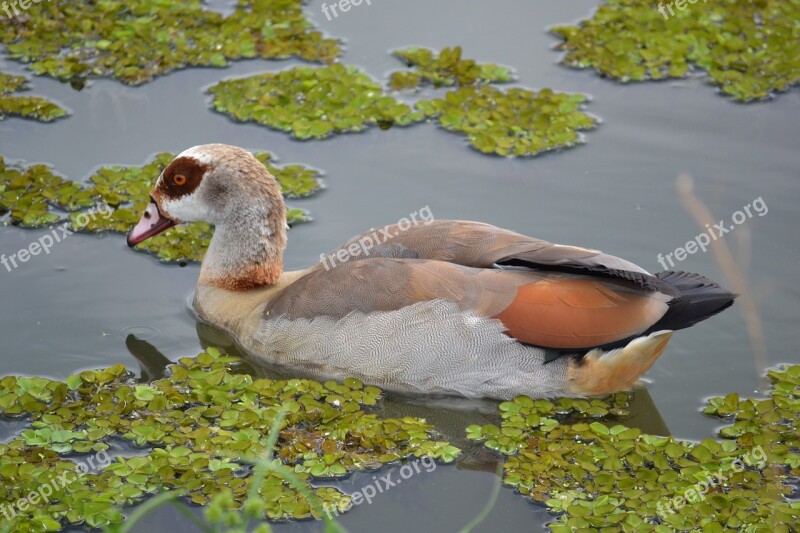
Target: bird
{"x":434,"y":307}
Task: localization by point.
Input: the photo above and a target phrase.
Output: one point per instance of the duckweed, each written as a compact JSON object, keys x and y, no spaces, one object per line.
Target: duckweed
{"x":601,"y":474}
{"x":312,"y":103}
{"x":28,"y":195}
{"x":316,"y":103}
{"x":11,"y":84}
{"x":517,"y":122}
{"x":136,"y":41}
{"x":770,"y":423}
{"x":309,"y":103}
{"x":749,"y":49}
{"x":33,"y":107}
{"x":444,"y":70}
{"x":296,"y":181}
{"x":197,"y":427}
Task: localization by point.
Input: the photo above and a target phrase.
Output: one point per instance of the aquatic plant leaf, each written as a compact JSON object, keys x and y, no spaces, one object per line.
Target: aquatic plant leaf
{"x":27,"y":194}
{"x":135,"y":41}
{"x":296,"y":181}
{"x":199,"y":428}
{"x":516,"y":122}
{"x":11,"y":84}
{"x":750,"y":50}
{"x":445,"y":69}
{"x":601,"y":474}
{"x":312,"y":103}
{"x":31,"y":107}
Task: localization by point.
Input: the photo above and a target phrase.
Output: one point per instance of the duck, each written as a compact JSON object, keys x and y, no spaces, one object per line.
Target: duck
{"x":439,"y":307}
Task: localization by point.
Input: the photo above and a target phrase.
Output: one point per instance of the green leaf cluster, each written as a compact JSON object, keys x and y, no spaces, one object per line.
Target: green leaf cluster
{"x":445,"y":69}
{"x":750,"y":49}
{"x":516,"y":122}
{"x":580,"y":459}
{"x":32,"y":107}
{"x":198,"y":428}
{"x":316,"y":103}
{"x":312,"y":103}
{"x":26,"y":195}
{"x":135,"y":41}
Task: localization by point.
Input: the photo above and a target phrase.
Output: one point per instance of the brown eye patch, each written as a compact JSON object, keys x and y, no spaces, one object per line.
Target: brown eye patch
{"x":181,"y":177}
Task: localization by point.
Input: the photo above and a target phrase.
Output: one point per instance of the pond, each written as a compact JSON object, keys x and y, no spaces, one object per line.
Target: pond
{"x":74,"y":308}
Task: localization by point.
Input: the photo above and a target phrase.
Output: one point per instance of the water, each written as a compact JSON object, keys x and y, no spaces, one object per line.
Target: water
{"x":73,"y":309}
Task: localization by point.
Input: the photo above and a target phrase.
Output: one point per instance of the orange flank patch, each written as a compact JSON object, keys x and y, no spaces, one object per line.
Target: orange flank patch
{"x":568,"y":313}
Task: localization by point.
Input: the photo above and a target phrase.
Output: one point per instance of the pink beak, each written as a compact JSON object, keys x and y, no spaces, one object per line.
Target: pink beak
{"x":152,"y":223}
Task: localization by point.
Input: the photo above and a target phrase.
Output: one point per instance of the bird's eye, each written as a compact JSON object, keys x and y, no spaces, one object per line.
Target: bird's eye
{"x":179,"y":179}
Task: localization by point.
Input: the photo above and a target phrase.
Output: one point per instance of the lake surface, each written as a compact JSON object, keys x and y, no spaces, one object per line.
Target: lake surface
{"x":72,"y":310}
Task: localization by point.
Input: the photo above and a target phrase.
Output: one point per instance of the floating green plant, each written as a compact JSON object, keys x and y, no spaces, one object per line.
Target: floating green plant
{"x":770,"y":423}
{"x":198,"y":426}
{"x":601,"y":474}
{"x":312,"y":103}
{"x":315,"y":103}
{"x":11,"y":84}
{"x":296,"y":181}
{"x":136,"y":41}
{"x":516,"y":122}
{"x":444,"y":69}
{"x":749,"y":49}
{"x":29,"y":193}
{"x":33,"y":107}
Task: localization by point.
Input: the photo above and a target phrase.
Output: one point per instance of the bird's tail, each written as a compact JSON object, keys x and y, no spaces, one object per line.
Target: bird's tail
{"x":604,"y":372}
{"x":699,"y":298}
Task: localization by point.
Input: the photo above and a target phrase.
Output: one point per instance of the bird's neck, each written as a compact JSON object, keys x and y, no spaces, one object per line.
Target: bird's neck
{"x":245,"y":254}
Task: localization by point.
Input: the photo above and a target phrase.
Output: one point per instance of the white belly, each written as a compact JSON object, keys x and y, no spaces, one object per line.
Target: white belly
{"x":430,"y":347}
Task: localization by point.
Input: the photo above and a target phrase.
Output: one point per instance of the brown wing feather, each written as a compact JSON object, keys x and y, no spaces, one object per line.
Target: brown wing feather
{"x":385,"y":284}
{"x":481,"y":245}
{"x":549,"y":309}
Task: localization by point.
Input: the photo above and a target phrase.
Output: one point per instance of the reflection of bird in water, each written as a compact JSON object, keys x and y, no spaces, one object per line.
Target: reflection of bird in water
{"x":152,"y":363}
{"x":449,"y":415}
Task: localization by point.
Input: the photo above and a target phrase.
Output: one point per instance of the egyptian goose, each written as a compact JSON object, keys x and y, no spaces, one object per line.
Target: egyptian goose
{"x":443,"y":307}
